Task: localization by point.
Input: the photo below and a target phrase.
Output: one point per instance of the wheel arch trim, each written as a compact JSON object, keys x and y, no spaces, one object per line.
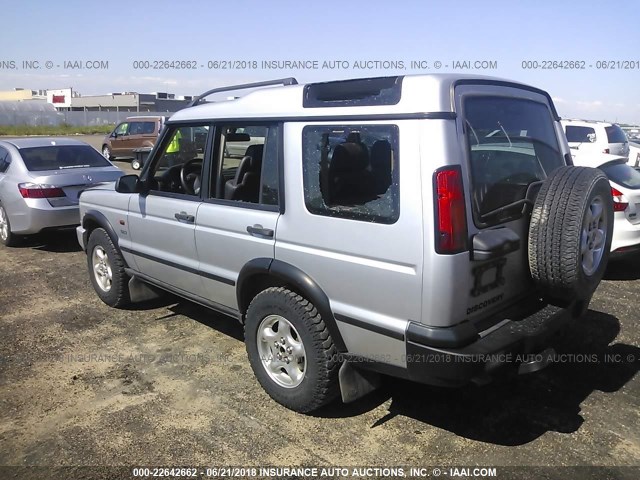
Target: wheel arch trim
{"x":291,"y":275}
{"x":94,"y":216}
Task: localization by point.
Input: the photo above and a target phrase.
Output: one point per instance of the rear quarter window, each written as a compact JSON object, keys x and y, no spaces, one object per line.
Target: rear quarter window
{"x":580,"y":134}
{"x":351,"y":172}
{"x":615,"y":134}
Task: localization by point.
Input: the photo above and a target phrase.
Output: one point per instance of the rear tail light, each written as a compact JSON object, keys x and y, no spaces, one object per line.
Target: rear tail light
{"x":606,"y":150}
{"x":451,"y":225}
{"x":34,"y":190}
{"x":620,"y":202}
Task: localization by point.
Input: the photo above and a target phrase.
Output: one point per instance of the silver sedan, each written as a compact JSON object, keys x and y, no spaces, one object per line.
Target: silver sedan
{"x":40,"y":181}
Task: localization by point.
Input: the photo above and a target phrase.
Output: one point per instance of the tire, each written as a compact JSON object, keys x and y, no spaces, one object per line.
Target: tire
{"x":135,"y":164}
{"x":301,"y":389}
{"x":570,"y":234}
{"x":106,"y":152}
{"x":7,"y":238}
{"x":106,"y":270}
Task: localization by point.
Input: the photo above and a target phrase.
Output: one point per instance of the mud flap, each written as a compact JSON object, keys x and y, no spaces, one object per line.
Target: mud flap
{"x":140,"y":291}
{"x":355,"y":383}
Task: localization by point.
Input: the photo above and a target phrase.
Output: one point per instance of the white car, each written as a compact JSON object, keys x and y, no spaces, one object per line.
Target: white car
{"x":634,"y":154}
{"x":625,"y":189}
{"x":587,"y":137}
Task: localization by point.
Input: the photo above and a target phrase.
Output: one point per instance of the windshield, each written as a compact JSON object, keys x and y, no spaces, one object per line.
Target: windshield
{"x":60,"y":157}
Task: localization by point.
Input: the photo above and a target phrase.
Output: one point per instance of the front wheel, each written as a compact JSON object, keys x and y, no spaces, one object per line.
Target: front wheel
{"x":291,"y":351}
{"x":106,"y":152}
{"x":135,"y":164}
{"x":106,"y":270}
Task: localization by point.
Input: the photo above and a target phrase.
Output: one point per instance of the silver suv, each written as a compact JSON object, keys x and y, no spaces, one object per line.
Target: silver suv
{"x":427,"y":227}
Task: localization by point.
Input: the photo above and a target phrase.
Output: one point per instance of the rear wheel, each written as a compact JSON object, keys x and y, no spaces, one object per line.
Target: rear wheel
{"x":106,"y":270}
{"x":290,"y":350}
{"x":570,"y":234}
{"x":135,"y":164}
{"x":7,"y":238}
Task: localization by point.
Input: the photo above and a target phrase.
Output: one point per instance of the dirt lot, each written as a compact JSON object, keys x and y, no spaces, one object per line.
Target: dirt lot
{"x":169,"y":384}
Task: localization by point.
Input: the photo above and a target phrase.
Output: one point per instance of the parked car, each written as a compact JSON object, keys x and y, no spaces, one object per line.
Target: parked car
{"x":625,"y":189}
{"x":133,"y":134}
{"x":40,"y":181}
{"x":589,"y":137}
{"x":428,"y":227}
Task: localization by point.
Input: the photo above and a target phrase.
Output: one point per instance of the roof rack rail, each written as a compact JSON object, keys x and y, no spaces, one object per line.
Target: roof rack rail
{"x":280,"y":81}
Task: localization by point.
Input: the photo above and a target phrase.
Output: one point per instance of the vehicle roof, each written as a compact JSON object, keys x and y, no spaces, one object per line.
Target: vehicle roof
{"x":146,"y":117}
{"x":419,"y":94}
{"x":586,"y":122}
{"x":29,"y":142}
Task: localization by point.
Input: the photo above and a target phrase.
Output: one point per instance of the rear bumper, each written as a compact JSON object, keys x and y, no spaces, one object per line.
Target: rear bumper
{"x":509,"y":347}
{"x":34,"y":219}
{"x":626,"y":236}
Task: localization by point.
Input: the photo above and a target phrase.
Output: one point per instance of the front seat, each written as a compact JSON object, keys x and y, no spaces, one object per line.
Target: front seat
{"x":245,"y":185}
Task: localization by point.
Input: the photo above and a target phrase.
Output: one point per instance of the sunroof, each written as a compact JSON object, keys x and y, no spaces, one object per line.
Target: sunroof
{"x":352,"y":93}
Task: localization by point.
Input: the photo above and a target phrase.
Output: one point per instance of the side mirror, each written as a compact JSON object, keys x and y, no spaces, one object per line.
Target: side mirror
{"x":129,"y":184}
{"x":114,"y":134}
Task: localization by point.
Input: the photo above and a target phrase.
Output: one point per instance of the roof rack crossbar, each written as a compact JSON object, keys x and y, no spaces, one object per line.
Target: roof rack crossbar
{"x":280,"y":81}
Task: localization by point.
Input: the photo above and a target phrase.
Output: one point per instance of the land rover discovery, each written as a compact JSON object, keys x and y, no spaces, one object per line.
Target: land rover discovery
{"x":429,"y":227}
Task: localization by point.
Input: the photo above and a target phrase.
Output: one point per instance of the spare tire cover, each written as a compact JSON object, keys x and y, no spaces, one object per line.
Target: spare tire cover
{"x":570,"y":233}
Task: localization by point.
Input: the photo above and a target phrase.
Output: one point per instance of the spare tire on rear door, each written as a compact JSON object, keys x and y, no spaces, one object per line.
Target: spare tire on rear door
{"x":570,"y":234}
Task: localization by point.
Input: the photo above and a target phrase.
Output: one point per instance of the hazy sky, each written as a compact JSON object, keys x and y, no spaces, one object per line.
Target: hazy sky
{"x":506,"y":32}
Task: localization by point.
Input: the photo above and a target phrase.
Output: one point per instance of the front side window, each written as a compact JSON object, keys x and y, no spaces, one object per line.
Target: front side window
{"x":580,"y":134}
{"x":122,"y":129}
{"x":511,"y":142}
{"x":178,"y":168}
{"x":352,"y":172}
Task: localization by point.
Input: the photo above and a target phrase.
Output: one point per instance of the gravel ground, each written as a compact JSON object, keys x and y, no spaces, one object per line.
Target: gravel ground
{"x":168,"y":383}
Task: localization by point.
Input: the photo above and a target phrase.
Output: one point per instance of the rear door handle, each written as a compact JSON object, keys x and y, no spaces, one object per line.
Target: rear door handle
{"x":184,"y":217}
{"x":260,"y":232}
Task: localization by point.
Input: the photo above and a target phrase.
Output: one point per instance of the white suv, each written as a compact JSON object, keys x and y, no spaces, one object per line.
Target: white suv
{"x":429,"y":227}
{"x":587,"y":137}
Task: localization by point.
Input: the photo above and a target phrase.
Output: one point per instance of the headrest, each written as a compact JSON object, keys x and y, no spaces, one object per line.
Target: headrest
{"x":380,"y":148}
{"x":349,"y":156}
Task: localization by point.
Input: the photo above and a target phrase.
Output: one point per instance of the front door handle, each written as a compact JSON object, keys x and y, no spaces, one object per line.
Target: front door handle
{"x":184,"y":217}
{"x":260,"y":232}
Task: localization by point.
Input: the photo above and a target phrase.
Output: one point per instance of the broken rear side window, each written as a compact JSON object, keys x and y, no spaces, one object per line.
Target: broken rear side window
{"x":352,"y":172}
